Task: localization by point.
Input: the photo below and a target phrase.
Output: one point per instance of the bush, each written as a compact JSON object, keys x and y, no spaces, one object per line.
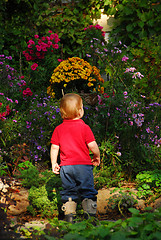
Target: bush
{"x":42,"y":56}
{"x":45,"y":199}
{"x":74,"y":74}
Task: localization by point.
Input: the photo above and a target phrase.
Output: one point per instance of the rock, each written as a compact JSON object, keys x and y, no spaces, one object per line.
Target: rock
{"x":104,"y":196}
{"x":102,"y":200}
{"x":21,"y":199}
{"x":157,"y":203}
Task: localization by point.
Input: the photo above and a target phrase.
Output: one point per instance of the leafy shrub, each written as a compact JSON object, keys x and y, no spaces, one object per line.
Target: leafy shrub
{"x":149,"y":183}
{"x":107,"y":176}
{"x":126,"y":131}
{"x":37,"y":125}
{"x":42,"y":56}
{"x":121,"y":202}
{"x":30,"y":177}
{"x":148,"y":59}
{"x":45,"y":199}
{"x":134,"y":19}
{"x":139,"y":226}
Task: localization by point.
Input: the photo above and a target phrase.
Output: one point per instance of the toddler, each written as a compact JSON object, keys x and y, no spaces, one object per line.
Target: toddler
{"x":73,"y":138}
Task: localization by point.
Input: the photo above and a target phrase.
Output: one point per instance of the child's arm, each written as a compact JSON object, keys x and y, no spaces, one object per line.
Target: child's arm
{"x":96,"y":153}
{"x":53,"y":155}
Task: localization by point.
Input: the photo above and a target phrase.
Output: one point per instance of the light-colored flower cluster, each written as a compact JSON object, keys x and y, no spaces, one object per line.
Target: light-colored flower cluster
{"x":75,"y":69}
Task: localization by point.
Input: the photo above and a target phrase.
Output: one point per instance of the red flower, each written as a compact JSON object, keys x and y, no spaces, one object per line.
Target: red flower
{"x":36,"y":36}
{"x":56,"y":46}
{"x":27,"y":92}
{"x":38,"y":48}
{"x":34,"y":66}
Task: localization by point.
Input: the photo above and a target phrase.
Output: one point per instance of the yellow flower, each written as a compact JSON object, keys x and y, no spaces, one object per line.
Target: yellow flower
{"x":75,"y":69}
{"x":90,"y":84}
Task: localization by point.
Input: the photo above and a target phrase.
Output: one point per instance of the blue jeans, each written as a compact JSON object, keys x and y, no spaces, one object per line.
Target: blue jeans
{"x":77,"y":182}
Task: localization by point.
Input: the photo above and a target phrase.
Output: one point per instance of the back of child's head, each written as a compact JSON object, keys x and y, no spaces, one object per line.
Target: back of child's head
{"x":70,"y":105}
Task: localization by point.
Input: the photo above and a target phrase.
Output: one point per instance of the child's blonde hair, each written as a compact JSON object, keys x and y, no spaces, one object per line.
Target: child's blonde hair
{"x":70,"y":105}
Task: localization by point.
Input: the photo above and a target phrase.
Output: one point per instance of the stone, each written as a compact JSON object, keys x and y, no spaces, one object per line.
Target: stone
{"x":21,"y":203}
{"x":157,"y":203}
{"x":105,"y":194}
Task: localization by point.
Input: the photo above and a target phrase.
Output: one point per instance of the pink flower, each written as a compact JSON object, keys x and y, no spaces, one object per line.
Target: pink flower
{"x":60,"y":60}
{"x":38,"y":48}
{"x":124,"y":59}
{"x":36,"y":36}
{"x":34,"y":66}
{"x":47,"y":38}
{"x":52,"y":36}
{"x":57,"y":40}
{"x":29,"y":46}
{"x":31,"y":42}
{"x":55,"y":46}
{"x":134,"y":115}
{"x":27,"y":92}
{"x":118,"y":154}
{"x":49,"y":31}
{"x":49,"y":43}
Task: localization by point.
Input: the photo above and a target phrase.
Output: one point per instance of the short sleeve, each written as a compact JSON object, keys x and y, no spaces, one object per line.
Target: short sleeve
{"x":89,"y":136}
{"x":55,"y":137}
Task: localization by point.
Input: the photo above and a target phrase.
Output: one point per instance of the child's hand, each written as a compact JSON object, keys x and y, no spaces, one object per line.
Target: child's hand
{"x":96,"y":161}
{"x":56,"y":168}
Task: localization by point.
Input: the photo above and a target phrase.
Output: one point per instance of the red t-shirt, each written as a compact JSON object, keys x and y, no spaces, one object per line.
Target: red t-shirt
{"x":72,"y":136}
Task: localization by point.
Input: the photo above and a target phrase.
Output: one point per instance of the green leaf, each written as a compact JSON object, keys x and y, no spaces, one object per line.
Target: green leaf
{"x":129,"y":28}
{"x":148,"y":227}
{"x":134,"y":211}
{"x":141,"y":24}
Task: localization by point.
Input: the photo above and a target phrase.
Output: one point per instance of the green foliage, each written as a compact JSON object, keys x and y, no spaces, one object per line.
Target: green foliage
{"x":148,"y":60}
{"x":42,"y":55}
{"x":149,"y":183}
{"x":108,"y":176}
{"x":19,"y":20}
{"x":140,"y":226}
{"x":30,"y":177}
{"x":135,"y":19}
{"x":45,"y":199}
{"x":122,"y":201}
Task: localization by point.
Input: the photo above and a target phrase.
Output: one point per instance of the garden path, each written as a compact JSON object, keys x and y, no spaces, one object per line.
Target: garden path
{"x":15,"y":199}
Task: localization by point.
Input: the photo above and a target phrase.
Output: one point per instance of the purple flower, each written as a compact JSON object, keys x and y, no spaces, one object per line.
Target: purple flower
{"x":148,"y":130}
{"x":134,"y":115}
{"x":124,"y":59}
{"x":58,"y":110}
{"x":132,"y":69}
